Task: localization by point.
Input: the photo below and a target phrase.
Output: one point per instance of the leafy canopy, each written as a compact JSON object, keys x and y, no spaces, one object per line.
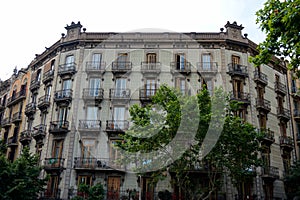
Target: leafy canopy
{"x":280,"y":21}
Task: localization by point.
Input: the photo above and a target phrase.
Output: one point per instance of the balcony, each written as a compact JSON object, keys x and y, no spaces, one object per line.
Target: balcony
{"x":295,"y":92}
{"x":93,"y":95}
{"x":48,"y":76}
{"x":30,"y":109}
{"x":119,"y":94}
{"x":283,"y":114}
{"x":44,"y":102}
{"x":38,"y":133}
{"x":260,"y":78}
{"x":17,"y":97}
{"x":237,"y":70}
{"x":12,"y":141}
{"x":59,"y":127}
{"x":121,"y":67}
{"x":67,"y":70}
{"x":6,"y":122}
{"x":263,"y":105}
{"x":113,"y":127}
{"x":207,"y":68}
{"x":147,"y":94}
{"x":25,"y":137}
{"x":240,"y":96}
{"x":151,"y":68}
{"x":34,"y":85}
{"x":16,"y":117}
{"x":296,"y":114}
{"x":100,"y":164}
{"x":280,"y":88}
{"x":286,"y":143}
{"x":268,"y":136}
{"x":270,"y":173}
{"x":54,"y":164}
{"x":181,"y":67}
{"x":95,"y":67}
{"x":89,"y":125}
{"x":63,"y":96}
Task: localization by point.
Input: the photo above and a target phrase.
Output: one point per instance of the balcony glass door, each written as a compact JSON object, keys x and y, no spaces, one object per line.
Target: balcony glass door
{"x":96,"y":60}
{"x":119,"y":116}
{"x":150,"y":87}
{"x":94,"y":85}
{"x":120,"y":87}
{"x":69,"y":61}
{"x":180,"y":62}
{"x":206,"y":62}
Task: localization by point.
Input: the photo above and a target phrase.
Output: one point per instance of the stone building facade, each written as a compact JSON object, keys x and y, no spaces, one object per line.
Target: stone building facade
{"x":79,"y":90}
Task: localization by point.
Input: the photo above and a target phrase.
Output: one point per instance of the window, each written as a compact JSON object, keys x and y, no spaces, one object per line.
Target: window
{"x":282,"y":128}
{"x":52,"y":186}
{"x":96,"y":60}
{"x":180,"y":61}
{"x":260,"y":92}
{"x":209,"y":86}
{"x":29,"y":125}
{"x":85,"y":179}
{"x":92,"y":113}
{"x":262,"y":121}
{"x":88,"y":146}
{"x":235,"y":60}
{"x":48,"y":90}
{"x":298,"y":129}
{"x":52,"y":65}
{"x":150,"y":87}
{"x":69,"y":61}
{"x":119,"y":117}
{"x":238,"y":88}
{"x":180,"y":84}
{"x":122,"y":59}
{"x":43,"y":118}
{"x":62,"y":116}
{"x":206,"y":62}
{"x":57,"y":148}
{"x":38,"y":75}
{"x":67,"y":84}
{"x":94,"y":85}
{"x":151,"y":57}
{"x":120,"y":87}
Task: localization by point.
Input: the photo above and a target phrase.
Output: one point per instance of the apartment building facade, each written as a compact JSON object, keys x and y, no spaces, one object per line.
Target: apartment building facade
{"x":79,"y":91}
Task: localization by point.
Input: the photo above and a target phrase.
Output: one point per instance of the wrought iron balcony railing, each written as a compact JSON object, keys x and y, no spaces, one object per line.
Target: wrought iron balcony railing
{"x":44,"y":102}
{"x":48,"y":76}
{"x":283,"y":113}
{"x":237,"y":69}
{"x":121,"y":94}
{"x":117,"y":125}
{"x":54,"y":163}
{"x":263,"y":104}
{"x":95,"y":67}
{"x":16,"y":97}
{"x":207,"y":67}
{"x":67,"y":69}
{"x":121,"y":67}
{"x":89,"y":125}
{"x":151,"y":67}
{"x":260,"y":77}
{"x":59,"y":127}
{"x":280,"y":88}
{"x":97,"y":163}
{"x":181,"y":67}
{"x":63,"y":96}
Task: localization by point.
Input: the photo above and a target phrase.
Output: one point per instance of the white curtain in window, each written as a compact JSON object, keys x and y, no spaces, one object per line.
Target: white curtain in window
{"x":120,"y":86}
{"x":94,"y":86}
{"x":92,"y":113}
{"x":119,"y":115}
{"x":69,"y":60}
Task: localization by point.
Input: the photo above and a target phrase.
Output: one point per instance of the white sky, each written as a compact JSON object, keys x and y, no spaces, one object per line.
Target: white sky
{"x":28,"y":26}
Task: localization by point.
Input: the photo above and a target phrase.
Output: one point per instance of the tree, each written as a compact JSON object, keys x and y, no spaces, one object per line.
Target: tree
{"x":235,"y":153}
{"x":20,"y":179}
{"x":292,"y":181}
{"x":280,"y":21}
{"x":85,"y":192}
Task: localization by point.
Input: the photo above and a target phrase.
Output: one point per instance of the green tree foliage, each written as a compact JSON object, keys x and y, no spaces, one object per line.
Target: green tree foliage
{"x":20,"y":179}
{"x":280,"y":21}
{"x":85,"y":192}
{"x":292,"y":181}
{"x":234,"y":144}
